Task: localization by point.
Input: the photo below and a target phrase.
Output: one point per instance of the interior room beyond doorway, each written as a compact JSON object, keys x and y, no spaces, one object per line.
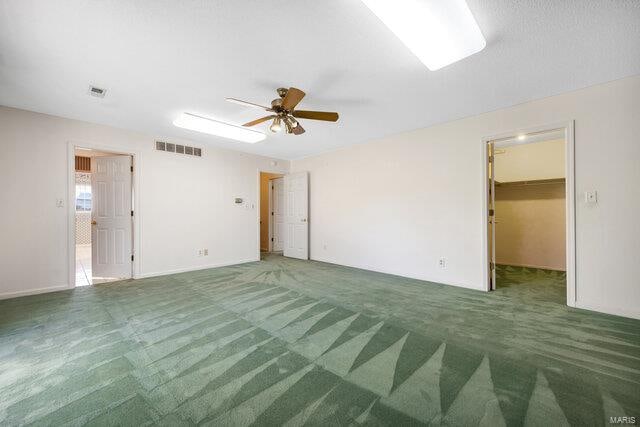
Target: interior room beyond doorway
{"x":530,"y":213}
{"x":271,"y":215}
{"x":90,"y":242}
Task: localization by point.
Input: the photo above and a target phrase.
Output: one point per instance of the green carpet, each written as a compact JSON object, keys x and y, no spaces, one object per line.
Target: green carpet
{"x":288,"y":342}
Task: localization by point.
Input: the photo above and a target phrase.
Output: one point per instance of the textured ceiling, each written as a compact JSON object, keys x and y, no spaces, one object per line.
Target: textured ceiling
{"x":160,"y":58}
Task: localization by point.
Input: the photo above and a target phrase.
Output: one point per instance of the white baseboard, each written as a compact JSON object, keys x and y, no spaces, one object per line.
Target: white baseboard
{"x":609,"y":310}
{"x":397,"y":273}
{"x":196,"y":268}
{"x":16,"y":294}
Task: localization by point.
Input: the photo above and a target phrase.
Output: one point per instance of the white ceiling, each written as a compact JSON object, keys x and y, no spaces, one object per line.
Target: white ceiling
{"x":160,"y":58}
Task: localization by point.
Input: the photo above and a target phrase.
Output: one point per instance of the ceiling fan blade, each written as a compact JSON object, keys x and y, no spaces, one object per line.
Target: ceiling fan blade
{"x":316,"y":115}
{"x":258,"y":121}
{"x":292,"y":98}
{"x":298,"y":130}
{"x":248,"y":104}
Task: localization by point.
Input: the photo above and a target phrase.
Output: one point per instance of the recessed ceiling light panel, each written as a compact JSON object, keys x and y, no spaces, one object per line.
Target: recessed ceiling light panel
{"x":438,"y":32}
{"x":217,"y":128}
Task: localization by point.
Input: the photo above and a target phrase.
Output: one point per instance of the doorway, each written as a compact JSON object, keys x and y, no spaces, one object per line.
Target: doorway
{"x":103,"y":216}
{"x":530,"y":213}
{"x":283,"y":214}
{"x":271,"y":211}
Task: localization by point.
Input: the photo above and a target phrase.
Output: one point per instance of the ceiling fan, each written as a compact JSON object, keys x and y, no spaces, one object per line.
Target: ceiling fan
{"x":284,"y":113}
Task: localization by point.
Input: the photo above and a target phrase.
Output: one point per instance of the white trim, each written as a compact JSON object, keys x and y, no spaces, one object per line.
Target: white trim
{"x":570,"y":201}
{"x":398,"y":273}
{"x":37,"y":291}
{"x":196,"y":268}
{"x":270,"y":218}
{"x":260,"y":170}
{"x":609,"y":310}
{"x":136,"y":266}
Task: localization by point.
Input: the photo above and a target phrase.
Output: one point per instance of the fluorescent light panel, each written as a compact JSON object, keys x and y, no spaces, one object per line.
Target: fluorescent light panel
{"x":217,"y":128}
{"x":438,"y":32}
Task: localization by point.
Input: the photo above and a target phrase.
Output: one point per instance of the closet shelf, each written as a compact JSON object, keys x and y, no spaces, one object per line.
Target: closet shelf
{"x":531,"y":182}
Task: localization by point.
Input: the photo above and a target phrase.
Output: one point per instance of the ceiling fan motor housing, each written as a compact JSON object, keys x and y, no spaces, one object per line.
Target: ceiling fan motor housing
{"x":276,"y":104}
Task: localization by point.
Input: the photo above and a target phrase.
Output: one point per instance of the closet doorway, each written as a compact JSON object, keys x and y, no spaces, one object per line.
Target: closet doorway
{"x":530,"y":208}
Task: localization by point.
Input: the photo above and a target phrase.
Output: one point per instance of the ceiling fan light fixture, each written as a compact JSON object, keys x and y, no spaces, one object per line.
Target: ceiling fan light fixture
{"x":290,"y":122}
{"x":438,"y":32}
{"x":214,"y":127}
{"x":275,"y":126}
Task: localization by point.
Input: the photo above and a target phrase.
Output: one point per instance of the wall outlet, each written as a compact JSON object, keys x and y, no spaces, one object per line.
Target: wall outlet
{"x":59,"y":203}
{"x":206,"y":252}
{"x":200,"y":252}
{"x":442,"y":262}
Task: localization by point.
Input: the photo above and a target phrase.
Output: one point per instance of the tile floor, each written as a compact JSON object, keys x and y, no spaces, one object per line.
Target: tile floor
{"x":84,"y":276}
{"x":83,"y":265}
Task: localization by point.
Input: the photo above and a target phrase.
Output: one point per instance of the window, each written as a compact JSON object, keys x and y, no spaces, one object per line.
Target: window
{"x":83,"y":192}
{"x":83,"y":199}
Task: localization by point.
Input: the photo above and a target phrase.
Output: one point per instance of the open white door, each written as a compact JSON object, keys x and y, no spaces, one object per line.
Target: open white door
{"x":277,"y":214}
{"x":296,"y":188}
{"x":111,"y":254}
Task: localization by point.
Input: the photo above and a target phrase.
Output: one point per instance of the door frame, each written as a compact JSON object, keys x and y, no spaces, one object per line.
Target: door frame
{"x":570,"y":215}
{"x":257,"y":207}
{"x":272,"y":218}
{"x":71,"y":212}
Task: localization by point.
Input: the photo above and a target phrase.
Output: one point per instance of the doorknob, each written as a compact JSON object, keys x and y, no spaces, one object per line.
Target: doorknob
{"x":304,"y":219}
{"x":94,"y":222}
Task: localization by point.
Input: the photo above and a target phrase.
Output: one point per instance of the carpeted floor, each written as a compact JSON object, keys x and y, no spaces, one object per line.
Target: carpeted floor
{"x":287,"y":342}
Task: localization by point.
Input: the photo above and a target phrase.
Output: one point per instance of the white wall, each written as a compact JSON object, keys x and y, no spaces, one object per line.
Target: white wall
{"x":531,"y":226}
{"x":186,"y":203}
{"x":531,"y":219}
{"x":527,"y":162}
{"x":398,"y":204}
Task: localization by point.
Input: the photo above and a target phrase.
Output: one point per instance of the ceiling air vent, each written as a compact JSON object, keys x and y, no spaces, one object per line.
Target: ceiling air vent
{"x":178,"y":149}
{"x":97,"y":92}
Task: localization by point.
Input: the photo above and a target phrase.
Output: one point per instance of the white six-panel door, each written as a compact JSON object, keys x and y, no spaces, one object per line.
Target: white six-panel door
{"x":277,"y":205}
{"x":111,"y":216}
{"x":296,"y":188}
